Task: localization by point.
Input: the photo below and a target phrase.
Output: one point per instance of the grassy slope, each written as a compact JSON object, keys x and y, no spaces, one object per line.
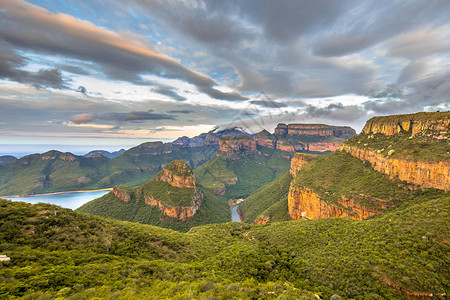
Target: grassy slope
{"x":265,"y":197}
{"x":340,"y":175}
{"x":213,"y":209}
{"x":252,"y":171}
{"x":58,"y":252}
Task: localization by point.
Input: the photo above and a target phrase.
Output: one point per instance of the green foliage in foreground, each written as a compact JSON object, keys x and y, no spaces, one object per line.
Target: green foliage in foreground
{"x":265,"y":197}
{"x":57,"y":252}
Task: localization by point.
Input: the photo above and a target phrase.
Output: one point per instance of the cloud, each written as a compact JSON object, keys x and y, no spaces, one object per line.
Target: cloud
{"x":11,"y":64}
{"x":180,"y":111}
{"x":167,"y":91}
{"x":119,"y":56}
{"x":121,"y":117}
{"x":336,"y":111}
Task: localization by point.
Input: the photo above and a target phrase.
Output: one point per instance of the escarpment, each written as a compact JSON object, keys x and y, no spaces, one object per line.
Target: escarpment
{"x":315,"y":129}
{"x":414,"y":148}
{"x":423,"y":174}
{"x":306,"y":204}
{"x":414,"y":123}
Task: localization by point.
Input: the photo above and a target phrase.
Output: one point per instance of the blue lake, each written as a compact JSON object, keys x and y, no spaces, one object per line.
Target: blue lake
{"x":71,"y":200}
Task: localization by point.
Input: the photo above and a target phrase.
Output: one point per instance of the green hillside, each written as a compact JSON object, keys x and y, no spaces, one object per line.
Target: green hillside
{"x":56,"y":171}
{"x":238,"y":178}
{"x":339,"y":175}
{"x":57,"y":252}
{"x":264,"y":198}
{"x":213,"y":209}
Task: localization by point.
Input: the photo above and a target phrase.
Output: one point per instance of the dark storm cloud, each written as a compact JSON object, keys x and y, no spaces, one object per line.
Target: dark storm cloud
{"x":120,"y":56}
{"x":167,"y":91}
{"x":121,"y":117}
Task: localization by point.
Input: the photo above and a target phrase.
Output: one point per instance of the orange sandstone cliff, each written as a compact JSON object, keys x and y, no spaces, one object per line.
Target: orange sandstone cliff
{"x":305,"y":204}
{"x":423,"y":174}
{"x":434,"y":173}
{"x":415,"y":123}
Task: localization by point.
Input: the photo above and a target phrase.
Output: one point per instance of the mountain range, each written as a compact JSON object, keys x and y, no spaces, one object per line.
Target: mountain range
{"x":55,"y":171}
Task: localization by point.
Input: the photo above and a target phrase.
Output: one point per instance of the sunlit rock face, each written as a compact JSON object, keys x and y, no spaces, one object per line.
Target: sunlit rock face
{"x":415,"y":123}
{"x":305,"y":204}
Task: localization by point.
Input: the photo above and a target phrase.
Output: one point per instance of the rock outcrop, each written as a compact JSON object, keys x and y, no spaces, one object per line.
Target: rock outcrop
{"x":178,"y":212}
{"x":414,"y":123}
{"x":238,"y":144}
{"x":177,"y":174}
{"x":297,"y":162}
{"x":121,"y":194}
{"x":425,"y":175}
{"x":315,"y":129}
{"x":305,"y":204}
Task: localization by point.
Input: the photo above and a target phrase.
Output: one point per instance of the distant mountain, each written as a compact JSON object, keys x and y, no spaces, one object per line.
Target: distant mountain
{"x":7,"y":158}
{"x":105,"y":153}
{"x":55,"y":171}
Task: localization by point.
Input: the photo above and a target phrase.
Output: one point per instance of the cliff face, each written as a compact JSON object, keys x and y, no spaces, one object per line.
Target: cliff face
{"x":178,"y":212}
{"x":305,"y":204}
{"x":234,"y":145}
{"x":415,"y":123}
{"x":121,"y":194}
{"x":177,"y":174}
{"x":182,"y":191}
{"x":314,"y":129}
{"x":426,"y":175}
{"x":297,"y":162}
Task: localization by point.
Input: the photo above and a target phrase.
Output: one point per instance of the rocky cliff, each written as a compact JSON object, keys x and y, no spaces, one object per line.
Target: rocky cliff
{"x":297,"y":162}
{"x":178,"y":212}
{"x":315,"y":129}
{"x":423,"y":174}
{"x":414,"y":148}
{"x":234,"y":145}
{"x":414,"y":123}
{"x":121,"y":193}
{"x":177,"y":174}
{"x":305,"y":204}
{"x":173,"y":191}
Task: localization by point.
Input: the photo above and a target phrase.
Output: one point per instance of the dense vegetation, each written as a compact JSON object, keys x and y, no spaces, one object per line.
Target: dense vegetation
{"x":56,"y":252}
{"x":239,"y":177}
{"x":427,"y":146}
{"x":42,"y":173}
{"x":264,"y":198}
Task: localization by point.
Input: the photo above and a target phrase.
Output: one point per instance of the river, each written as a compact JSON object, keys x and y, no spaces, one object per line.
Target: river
{"x":234,"y":214}
{"x":71,"y":200}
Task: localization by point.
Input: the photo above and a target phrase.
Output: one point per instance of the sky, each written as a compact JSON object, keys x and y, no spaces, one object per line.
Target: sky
{"x":111,"y":74}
